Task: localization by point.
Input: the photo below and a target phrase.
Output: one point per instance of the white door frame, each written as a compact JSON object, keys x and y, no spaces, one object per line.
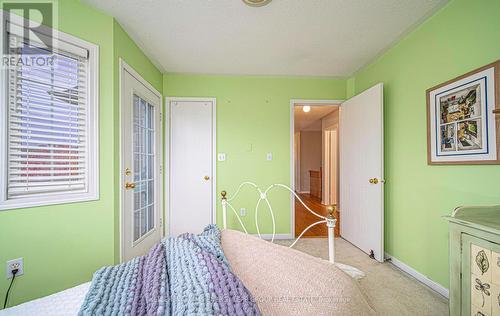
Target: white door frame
{"x":126,"y":67}
{"x":327,"y":167}
{"x":166,"y":174}
{"x":293,"y":103}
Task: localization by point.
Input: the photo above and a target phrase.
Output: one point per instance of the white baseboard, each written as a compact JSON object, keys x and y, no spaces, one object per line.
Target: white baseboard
{"x":419,"y":276}
{"x":276,"y":236}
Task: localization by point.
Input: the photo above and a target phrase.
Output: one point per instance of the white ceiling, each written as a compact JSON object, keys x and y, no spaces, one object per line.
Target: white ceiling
{"x":310,"y":121}
{"x":287,"y":37}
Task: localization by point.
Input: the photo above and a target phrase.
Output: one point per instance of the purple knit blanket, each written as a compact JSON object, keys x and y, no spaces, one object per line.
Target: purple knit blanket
{"x":187,"y":275}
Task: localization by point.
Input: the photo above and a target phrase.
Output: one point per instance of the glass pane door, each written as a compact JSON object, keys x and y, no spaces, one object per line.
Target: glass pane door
{"x":144,"y":167}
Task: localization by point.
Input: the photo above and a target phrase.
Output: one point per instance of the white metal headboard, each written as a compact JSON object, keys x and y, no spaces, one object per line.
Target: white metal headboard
{"x":328,"y":220}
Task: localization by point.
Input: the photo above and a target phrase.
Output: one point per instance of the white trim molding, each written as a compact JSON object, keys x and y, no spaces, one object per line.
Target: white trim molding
{"x":276,"y":236}
{"x":312,"y":102}
{"x":293,"y":103}
{"x":436,"y":287}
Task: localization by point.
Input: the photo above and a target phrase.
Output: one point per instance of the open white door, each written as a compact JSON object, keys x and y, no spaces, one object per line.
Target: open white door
{"x":362,"y":171}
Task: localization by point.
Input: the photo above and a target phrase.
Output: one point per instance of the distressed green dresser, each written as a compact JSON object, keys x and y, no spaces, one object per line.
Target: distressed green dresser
{"x":475,"y":261}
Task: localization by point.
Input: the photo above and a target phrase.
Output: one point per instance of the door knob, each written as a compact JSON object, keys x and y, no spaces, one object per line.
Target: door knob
{"x":129,"y":185}
{"x":206,"y":178}
{"x":373,"y":181}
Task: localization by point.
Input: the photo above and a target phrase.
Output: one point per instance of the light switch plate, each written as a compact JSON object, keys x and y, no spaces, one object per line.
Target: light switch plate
{"x":221,"y":157}
{"x":243,"y":211}
{"x":269,"y":156}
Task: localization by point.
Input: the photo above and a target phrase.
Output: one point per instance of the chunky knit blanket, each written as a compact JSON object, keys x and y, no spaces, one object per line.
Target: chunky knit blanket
{"x":187,"y":275}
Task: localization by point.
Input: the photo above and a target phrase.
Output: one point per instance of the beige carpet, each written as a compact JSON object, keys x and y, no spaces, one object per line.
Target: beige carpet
{"x":391,"y":291}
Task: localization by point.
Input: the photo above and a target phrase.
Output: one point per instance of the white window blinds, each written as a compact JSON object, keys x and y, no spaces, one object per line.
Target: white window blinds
{"x":48,"y":143}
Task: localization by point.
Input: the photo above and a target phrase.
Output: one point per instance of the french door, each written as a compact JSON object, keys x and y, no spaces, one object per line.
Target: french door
{"x":141,"y":161}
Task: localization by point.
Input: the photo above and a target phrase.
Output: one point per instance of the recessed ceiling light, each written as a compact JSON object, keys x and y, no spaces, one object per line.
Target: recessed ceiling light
{"x":306,"y":108}
{"x":256,"y":3}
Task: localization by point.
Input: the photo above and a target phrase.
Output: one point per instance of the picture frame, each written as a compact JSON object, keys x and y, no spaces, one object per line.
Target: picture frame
{"x":463,"y":119}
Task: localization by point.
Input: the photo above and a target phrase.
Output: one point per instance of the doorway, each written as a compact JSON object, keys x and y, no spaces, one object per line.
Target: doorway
{"x":315,"y":145}
{"x":352,"y":168}
{"x":141,"y":202}
{"x":191,"y":172}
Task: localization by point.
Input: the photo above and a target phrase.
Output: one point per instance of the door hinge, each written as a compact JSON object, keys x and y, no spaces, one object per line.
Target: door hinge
{"x":161,"y":222}
{"x":161,"y":117}
{"x":161,"y":169}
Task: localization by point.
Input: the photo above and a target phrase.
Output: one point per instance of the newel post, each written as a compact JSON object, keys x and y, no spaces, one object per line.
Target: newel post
{"x":224,"y":209}
{"x":330,"y":223}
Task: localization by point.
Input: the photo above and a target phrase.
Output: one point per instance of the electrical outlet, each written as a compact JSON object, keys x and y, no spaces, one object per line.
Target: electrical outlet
{"x":14,"y":264}
{"x":269,"y":156}
{"x":221,"y":157}
{"x":243,"y":211}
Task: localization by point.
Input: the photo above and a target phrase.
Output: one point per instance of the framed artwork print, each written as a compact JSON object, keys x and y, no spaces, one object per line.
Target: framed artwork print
{"x":463,"y":119}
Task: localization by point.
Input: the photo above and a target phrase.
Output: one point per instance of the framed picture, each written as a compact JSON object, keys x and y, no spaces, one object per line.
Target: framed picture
{"x":463,"y":119}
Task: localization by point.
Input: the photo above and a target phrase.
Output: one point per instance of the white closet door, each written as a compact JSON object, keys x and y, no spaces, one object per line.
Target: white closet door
{"x":191,"y":165}
{"x":362,"y":171}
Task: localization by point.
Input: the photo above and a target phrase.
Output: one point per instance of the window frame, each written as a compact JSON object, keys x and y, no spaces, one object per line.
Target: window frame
{"x":92,"y":131}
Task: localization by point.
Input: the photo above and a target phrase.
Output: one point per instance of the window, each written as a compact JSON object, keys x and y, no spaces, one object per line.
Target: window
{"x":49,"y":140}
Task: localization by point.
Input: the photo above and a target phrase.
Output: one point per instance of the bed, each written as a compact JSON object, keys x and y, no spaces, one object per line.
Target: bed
{"x":62,"y":303}
{"x":279,"y":280}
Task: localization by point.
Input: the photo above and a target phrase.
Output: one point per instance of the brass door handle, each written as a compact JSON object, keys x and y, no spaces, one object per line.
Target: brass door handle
{"x":373,"y":181}
{"x":129,"y":185}
{"x":206,"y":178}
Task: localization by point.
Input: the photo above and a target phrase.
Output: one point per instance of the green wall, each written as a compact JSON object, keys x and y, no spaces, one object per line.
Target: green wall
{"x":253,"y":118}
{"x":62,"y":245}
{"x":462,"y":36}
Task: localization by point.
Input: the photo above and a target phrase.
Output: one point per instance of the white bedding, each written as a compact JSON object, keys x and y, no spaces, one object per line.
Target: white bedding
{"x":64,"y":303}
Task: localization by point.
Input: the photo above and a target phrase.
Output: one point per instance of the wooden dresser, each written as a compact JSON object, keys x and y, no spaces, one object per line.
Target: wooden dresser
{"x":315,"y":183}
{"x":475,"y":261}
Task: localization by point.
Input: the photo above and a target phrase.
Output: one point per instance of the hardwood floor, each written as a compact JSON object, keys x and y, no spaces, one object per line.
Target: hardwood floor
{"x":304,"y":218}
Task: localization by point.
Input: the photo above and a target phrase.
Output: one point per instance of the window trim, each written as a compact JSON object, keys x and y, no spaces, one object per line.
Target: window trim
{"x":92,"y":130}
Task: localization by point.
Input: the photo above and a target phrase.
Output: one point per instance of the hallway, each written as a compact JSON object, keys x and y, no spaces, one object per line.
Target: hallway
{"x":304,"y":218}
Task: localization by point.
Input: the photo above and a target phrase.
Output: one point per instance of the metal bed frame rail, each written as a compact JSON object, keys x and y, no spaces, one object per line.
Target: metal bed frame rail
{"x":329,"y":220}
